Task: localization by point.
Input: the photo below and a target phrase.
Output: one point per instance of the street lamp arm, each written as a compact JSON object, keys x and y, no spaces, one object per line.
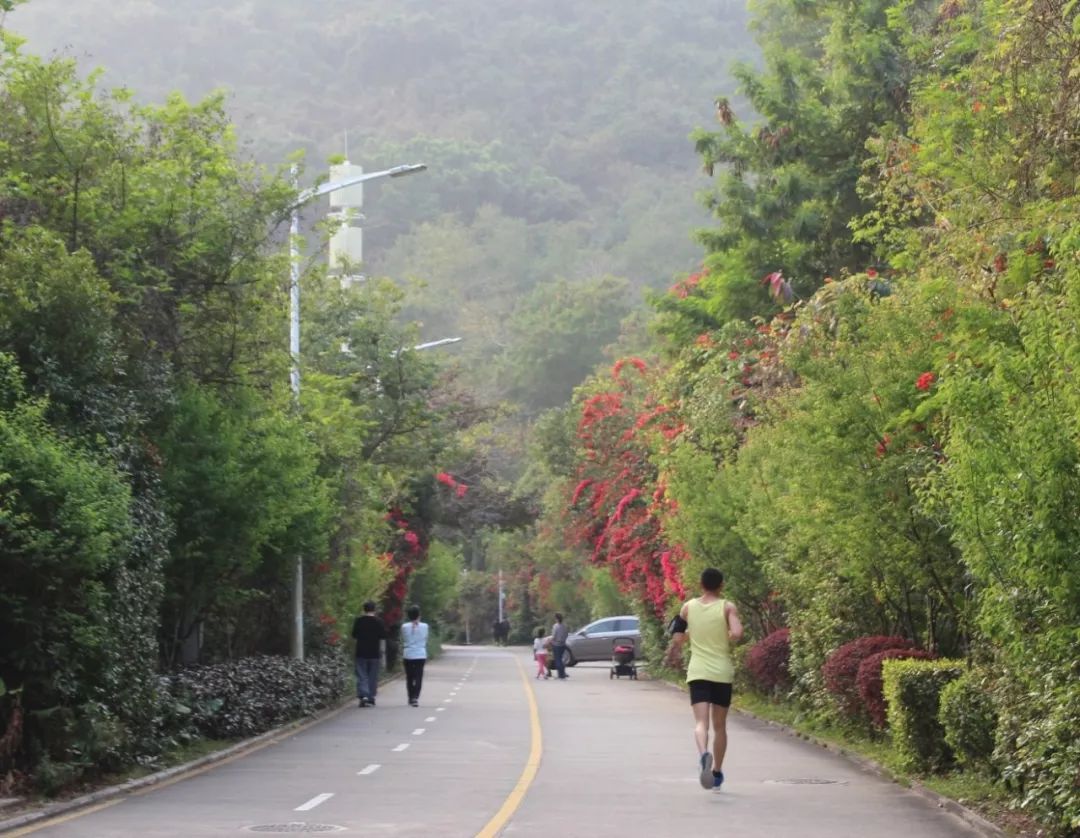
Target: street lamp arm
{"x":306,"y":195}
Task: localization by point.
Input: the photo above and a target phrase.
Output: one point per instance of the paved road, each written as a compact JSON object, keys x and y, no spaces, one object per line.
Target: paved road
{"x":615,"y":758}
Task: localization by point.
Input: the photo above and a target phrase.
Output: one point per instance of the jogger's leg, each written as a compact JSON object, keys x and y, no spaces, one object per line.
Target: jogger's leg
{"x":701,"y":725}
{"x":719,"y":723}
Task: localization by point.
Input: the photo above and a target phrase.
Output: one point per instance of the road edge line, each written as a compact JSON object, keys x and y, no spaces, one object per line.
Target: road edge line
{"x":528,"y":773}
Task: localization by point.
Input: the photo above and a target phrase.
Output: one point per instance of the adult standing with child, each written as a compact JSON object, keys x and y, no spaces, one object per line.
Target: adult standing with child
{"x":559,"y":633}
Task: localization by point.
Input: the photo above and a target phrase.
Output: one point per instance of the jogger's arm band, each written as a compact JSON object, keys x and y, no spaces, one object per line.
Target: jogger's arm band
{"x":678,"y":625}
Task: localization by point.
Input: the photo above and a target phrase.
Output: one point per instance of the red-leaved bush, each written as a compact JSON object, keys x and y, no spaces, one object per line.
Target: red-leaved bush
{"x":768,"y":659}
{"x":842,"y":668}
{"x":868,"y":681}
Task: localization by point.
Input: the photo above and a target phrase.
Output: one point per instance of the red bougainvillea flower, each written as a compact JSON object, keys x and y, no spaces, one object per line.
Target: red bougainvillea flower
{"x":703,"y":340}
{"x":445,"y":479}
{"x":872,"y":273}
{"x":460,"y":490}
{"x":327,"y":619}
{"x":925,"y":381}
{"x":882,"y":447}
{"x":636,"y":363}
{"x":732,"y":355}
{"x":412,"y":539}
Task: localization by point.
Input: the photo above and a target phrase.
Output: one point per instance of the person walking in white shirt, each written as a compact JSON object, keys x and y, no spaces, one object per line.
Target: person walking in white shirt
{"x":414,"y":637}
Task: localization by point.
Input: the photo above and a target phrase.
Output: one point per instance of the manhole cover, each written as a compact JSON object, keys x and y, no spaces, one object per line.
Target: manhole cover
{"x":808,"y":781}
{"x":295,"y":827}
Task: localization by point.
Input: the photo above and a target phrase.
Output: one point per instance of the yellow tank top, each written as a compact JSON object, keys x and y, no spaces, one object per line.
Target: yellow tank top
{"x":710,"y":648}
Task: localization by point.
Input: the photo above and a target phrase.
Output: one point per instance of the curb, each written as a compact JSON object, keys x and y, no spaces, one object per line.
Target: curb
{"x":971,"y":818}
{"x":177,"y":772}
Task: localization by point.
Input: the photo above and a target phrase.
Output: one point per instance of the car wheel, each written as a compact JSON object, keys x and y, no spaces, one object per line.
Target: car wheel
{"x":569,"y":659}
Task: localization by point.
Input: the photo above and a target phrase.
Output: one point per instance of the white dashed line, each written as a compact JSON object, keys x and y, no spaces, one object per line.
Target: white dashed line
{"x":439,"y":709}
{"x":315,"y":801}
{"x":402,"y":747}
{"x":429,"y":719}
{"x":418,"y":731}
{"x":447,"y":700}
{"x":371,"y":769}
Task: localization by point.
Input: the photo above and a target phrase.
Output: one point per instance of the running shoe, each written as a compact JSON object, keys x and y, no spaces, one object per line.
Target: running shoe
{"x":717,"y":780}
{"x":706,"y":777}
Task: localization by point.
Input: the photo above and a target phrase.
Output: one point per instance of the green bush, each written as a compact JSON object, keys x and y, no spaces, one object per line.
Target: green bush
{"x":969,"y":720}
{"x":1037,"y":746}
{"x":913,"y":690}
{"x":250,"y":696}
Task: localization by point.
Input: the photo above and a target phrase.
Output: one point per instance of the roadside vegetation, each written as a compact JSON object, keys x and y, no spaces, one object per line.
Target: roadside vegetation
{"x":860,"y":402}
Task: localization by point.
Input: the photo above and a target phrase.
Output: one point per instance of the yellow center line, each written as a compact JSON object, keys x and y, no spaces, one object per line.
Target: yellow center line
{"x":528,"y":774}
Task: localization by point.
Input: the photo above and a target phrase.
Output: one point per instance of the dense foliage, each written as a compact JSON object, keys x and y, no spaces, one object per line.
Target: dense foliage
{"x":861,"y":402}
{"x":157,"y":482}
{"x":870,"y":382}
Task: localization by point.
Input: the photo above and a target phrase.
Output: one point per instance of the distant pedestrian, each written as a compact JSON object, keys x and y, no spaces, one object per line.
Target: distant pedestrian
{"x":504,"y":631}
{"x":559,"y":633}
{"x":713,"y":625}
{"x":414,"y":637}
{"x":540,"y":655}
{"x":368,"y":631}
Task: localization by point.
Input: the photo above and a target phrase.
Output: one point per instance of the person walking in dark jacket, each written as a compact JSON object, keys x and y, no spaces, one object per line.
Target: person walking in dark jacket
{"x":368,"y":631}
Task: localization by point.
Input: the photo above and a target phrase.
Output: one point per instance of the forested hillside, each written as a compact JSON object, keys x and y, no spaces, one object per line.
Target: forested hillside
{"x":555,"y":131}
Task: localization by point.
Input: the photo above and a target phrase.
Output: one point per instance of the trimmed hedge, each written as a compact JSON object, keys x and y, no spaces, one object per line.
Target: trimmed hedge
{"x":768,"y":662}
{"x":246,"y":697}
{"x":869,"y":683}
{"x":841,"y":669}
{"x":969,"y":719}
{"x":913,"y":690}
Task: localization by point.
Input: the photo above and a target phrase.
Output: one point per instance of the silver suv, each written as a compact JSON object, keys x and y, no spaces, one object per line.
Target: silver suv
{"x":594,"y":642}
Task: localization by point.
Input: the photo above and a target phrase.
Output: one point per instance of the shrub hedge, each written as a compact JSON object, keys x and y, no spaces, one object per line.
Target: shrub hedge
{"x":250,"y":696}
{"x":841,"y":669}
{"x":969,"y":720}
{"x":868,"y":681}
{"x":768,"y":662}
{"x":913,"y":690}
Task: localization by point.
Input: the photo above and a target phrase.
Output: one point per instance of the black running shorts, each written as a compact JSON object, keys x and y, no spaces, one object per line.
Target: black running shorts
{"x":713,"y":692}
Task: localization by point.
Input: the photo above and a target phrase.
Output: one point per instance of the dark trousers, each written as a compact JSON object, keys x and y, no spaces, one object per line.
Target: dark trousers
{"x":367,"y":677}
{"x":414,"y":677}
{"x":559,"y":653}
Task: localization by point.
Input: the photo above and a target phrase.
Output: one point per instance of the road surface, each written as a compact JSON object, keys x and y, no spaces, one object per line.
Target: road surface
{"x":491,"y":751}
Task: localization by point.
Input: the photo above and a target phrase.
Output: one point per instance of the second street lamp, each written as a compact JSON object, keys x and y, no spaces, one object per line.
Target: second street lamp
{"x":297,"y":634}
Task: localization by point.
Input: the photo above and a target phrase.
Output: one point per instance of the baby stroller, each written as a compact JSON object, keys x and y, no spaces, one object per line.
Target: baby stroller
{"x":622,"y":658}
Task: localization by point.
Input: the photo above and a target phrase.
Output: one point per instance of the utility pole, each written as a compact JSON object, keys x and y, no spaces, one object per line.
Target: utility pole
{"x":500,"y":596}
{"x":353,"y":177}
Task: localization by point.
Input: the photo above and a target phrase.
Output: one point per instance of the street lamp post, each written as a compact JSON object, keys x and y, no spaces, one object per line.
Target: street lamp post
{"x":297,"y":634}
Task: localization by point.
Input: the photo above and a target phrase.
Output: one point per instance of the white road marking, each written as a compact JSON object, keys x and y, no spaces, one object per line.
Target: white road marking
{"x":418,"y":731}
{"x":447,"y":700}
{"x":402,"y":747}
{"x":315,"y":801}
{"x":439,"y":709}
{"x":429,"y":719}
{"x":371,"y":769}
